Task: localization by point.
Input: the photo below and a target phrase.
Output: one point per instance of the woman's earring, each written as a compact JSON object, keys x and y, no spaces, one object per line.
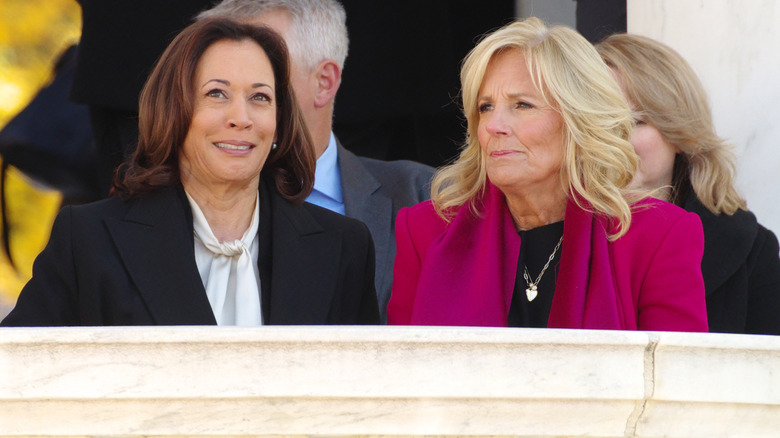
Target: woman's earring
{"x":273,"y":146}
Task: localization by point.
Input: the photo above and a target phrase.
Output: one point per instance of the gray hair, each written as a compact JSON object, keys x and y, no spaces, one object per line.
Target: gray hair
{"x":318,"y":29}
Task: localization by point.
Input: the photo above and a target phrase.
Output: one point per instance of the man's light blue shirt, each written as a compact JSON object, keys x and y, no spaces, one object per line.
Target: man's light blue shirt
{"x":327,"y":180}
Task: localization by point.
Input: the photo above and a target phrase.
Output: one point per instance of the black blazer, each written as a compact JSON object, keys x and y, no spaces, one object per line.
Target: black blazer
{"x":741,"y":270}
{"x":118,"y":262}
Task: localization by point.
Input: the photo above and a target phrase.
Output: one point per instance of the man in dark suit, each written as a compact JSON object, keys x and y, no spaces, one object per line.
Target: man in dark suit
{"x":366,"y":189}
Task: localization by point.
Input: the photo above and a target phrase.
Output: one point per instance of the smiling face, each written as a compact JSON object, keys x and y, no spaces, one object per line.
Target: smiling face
{"x":520,"y":135}
{"x":234,"y":117}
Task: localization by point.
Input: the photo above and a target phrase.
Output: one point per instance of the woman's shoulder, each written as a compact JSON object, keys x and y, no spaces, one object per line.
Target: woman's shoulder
{"x":764,"y":234}
{"x":423,"y":212}
{"x":99,"y":209}
{"x":422,"y":218}
{"x":87,"y":222}
{"x":742,"y":221}
{"x":418,"y":226}
{"x":117,"y":206}
{"x":330,"y":220}
{"x":655,"y":213}
{"x":653,"y":220}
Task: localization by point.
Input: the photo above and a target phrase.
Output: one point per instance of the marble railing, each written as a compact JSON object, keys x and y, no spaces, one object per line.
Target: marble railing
{"x":342,"y":381}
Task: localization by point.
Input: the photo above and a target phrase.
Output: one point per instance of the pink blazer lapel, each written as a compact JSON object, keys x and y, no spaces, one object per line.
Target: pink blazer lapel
{"x":472,"y":267}
{"x":586,"y":295}
{"x":476,"y":262}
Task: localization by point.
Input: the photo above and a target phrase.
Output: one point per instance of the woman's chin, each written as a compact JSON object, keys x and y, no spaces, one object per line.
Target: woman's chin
{"x":509,"y":183}
{"x":511,"y":178}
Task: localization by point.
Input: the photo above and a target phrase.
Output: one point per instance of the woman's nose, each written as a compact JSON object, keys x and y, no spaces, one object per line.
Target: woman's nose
{"x":238,"y":115}
{"x":496,"y":123}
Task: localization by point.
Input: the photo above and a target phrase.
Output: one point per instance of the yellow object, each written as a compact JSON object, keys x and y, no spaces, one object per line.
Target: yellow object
{"x":30,"y":211}
{"x":33,"y":34}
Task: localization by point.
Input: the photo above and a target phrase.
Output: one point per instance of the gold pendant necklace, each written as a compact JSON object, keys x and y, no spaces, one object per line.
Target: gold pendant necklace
{"x":531,"y":291}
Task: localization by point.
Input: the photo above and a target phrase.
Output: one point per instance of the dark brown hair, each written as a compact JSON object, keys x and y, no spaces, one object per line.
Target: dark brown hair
{"x":166,"y":108}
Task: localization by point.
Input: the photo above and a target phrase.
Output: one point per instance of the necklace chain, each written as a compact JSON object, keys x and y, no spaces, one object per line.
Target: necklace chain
{"x":532,"y":291}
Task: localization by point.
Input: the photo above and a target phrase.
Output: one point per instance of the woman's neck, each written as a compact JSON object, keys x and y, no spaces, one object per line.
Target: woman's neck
{"x":532,"y":210}
{"x":228,"y":211}
{"x":663,"y":193}
{"x":662,"y":190}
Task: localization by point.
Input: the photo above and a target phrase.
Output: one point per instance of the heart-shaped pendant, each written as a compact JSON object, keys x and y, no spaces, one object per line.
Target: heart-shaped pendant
{"x":531,"y":292}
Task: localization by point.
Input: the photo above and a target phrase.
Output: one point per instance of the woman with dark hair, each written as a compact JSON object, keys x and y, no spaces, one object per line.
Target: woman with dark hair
{"x":208,"y":224}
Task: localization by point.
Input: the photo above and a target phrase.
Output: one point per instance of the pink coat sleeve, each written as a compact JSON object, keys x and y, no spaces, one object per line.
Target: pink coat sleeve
{"x":406,"y":272}
{"x":416,"y":228}
{"x":672,"y":291}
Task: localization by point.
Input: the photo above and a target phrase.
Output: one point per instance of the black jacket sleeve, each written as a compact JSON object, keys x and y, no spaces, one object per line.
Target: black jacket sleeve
{"x":50,"y":297}
{"x":763,"y":315}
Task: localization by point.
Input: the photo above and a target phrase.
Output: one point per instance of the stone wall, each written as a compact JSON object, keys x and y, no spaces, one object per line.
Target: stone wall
{"x":343,"y":381}
{"x":733,"y":46}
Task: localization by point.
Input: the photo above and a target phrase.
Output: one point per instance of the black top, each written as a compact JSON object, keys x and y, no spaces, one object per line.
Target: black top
{"x":535,"y":248}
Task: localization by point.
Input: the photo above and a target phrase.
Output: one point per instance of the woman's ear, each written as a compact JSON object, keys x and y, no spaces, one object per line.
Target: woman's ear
{"x":328,"y":75}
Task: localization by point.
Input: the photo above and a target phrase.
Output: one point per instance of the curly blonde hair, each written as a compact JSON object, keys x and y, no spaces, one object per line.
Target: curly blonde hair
{"x":667,"y":93}
{"x":598,"y":161}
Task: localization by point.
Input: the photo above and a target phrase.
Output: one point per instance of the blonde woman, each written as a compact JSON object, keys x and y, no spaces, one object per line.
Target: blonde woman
{"x":684,"y":160}
{"x":534,"y":224}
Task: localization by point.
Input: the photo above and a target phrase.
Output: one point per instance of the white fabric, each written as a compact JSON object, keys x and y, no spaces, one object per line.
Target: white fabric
{"x":229,"y":270}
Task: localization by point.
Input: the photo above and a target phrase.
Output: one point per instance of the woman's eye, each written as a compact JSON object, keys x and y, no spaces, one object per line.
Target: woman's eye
{"x":484,"y":107}
{"x":639,"y":122}
{"x":261,"y":97}
{"x":523,"y":105}
{"x":217,"y":93}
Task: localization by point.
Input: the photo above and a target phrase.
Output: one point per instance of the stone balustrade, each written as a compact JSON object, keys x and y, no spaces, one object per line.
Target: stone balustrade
{"x":399,"y":381}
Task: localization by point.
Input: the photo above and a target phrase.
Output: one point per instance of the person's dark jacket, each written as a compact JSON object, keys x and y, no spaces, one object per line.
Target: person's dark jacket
{"x":118,"y":262}
{"x":741,"y":270}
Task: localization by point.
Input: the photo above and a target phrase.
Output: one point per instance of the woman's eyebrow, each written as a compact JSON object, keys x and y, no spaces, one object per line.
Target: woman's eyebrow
{"x":227,"y":83}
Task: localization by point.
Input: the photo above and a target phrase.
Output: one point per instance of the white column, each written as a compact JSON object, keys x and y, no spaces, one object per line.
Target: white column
{"x":734,"y":46}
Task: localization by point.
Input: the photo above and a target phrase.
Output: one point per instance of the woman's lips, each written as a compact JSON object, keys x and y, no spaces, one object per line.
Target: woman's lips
{"x":235,"y":146}
{"x":502,"y":153}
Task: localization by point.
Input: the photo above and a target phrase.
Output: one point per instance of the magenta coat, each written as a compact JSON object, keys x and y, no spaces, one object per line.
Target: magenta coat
{"x":463,"y":273}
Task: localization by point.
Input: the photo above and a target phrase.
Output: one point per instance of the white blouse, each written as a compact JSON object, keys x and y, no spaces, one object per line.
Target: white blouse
{"x":229,"y":270}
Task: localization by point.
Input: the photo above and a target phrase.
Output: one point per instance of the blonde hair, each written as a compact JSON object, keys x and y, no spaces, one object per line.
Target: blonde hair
{"x":598,"y":161}
{"x":669,"y":95}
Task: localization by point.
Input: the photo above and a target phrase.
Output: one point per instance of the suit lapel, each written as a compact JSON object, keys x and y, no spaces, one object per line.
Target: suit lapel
{"x":155,"y":243}
{"x":305,"y":265}
{"x":365,"y":202}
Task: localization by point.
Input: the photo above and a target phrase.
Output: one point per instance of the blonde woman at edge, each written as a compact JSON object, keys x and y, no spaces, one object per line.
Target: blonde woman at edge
{"x":534,"y":224}
{"x":689,"y":165}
